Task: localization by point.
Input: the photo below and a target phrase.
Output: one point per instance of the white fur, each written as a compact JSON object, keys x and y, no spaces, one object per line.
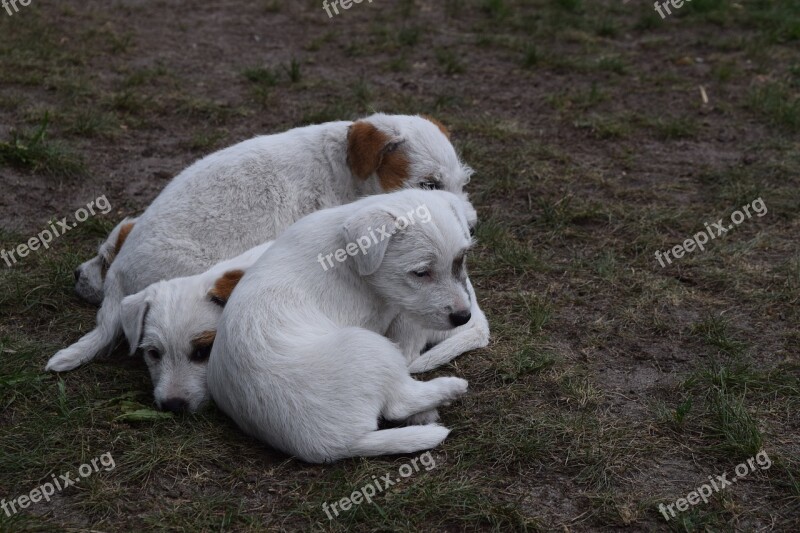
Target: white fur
{"x":163,"y":319}
{"x":90,"y":275}
{"x":300,"y":359}
{"x":247,"y":194}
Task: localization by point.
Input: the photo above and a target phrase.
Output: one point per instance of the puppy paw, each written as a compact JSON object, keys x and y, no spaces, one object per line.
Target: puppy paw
{"x":423,"y":418}
{"x":453,"y":388}
{"x":64,"y":360}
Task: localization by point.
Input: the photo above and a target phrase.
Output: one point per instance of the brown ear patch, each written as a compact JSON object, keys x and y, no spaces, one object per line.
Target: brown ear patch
{"x":223,"y":287}
{"x":111,"y":254}
{"x":393,"y":171}
{"x":438,"y":124}
{"x":365,"y":145}
{"x":369,"y":151}
{"x":124,"y":231}
{"x":204,"y":340}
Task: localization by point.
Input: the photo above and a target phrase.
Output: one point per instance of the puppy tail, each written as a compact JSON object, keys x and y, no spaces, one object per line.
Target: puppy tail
{"x":400,"y":440}
{"x":100,"y":339}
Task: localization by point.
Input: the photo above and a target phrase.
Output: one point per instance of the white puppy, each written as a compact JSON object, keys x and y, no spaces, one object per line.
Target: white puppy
{"x":246,"y":194}
{"x":300,"y":360}
{"x":90,"y":275}
{"x":174,"y":324}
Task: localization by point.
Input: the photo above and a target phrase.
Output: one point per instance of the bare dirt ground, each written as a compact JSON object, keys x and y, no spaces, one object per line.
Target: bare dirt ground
{"x":600,"y":134}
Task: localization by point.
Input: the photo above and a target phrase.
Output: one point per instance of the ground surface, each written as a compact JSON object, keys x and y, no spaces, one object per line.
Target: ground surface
{"x":611,"y":384}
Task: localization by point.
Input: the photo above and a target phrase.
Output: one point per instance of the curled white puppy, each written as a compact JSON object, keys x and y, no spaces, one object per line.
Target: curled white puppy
{"x":174,"y":323}
{"x":300,"y":359}
{"x":248,"y":193}
{"x":90,"y":275}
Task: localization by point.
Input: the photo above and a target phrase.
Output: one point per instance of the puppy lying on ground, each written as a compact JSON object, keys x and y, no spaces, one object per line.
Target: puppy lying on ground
{"x":246,"y":194}
{"x":90,"y":275}
{"x":300,"y":360}
{"x":174,"y":323}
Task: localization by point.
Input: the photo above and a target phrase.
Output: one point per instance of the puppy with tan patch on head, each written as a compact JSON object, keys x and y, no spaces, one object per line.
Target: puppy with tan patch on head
{"x":300,"y":359}
{"x":248,"y":193}
{"x":90,"y":275}
{"x":174,"y":324}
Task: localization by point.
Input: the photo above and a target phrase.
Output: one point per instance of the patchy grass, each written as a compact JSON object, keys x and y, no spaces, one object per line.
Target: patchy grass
{"x":779,"y":104}
{"x":610,"y":384}
{"x":32,"y":151}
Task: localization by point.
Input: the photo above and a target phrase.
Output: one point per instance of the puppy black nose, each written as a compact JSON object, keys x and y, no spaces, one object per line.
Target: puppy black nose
{"x":175,"y":405}
{"x":77,"y":274}
{"x":460,"y":318}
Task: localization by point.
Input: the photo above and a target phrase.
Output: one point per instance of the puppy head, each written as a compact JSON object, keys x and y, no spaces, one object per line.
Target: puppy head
{"x":174,"y":324}
{"x":405,"y":151}
{"x":89,"y":276}
{"x":421,"y":267}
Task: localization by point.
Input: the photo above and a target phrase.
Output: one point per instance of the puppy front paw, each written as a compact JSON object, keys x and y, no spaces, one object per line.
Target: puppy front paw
{"x":64,"y":360}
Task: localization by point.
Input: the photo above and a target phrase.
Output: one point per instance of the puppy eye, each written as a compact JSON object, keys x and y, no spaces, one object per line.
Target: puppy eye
{"x":391,"y":147}
{"x":200,"y":355}
{"x":430,"y":185}
{"x":472,"y":231}
{"x":154,"y":354}
{"x":422,"y":273}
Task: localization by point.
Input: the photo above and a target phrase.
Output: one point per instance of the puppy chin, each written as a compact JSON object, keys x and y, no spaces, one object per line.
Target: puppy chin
{"x":90,"y":294}
{"x":194,"y":407}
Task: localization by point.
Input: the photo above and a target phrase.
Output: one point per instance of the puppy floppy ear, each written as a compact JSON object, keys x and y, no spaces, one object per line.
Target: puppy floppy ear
{"x":369,"y":151}
{"x":116,"y":239}
{"x":133,"y":313}
{"x":370,"y":229}
{"x":223,"y":287}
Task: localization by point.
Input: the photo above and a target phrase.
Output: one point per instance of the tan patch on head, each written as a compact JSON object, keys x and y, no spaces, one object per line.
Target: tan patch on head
{"x":122,"y":237}
{"x":369,"y":151}
{"x":393,"y":171}
{"x":205,"y":339}
{"x":365,"y":144}
{"x":223,"y":287}
{"x":112,"y":253}
{"x":438,"y":124}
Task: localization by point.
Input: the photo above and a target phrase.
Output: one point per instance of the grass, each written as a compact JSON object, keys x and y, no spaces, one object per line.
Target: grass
{"x":449,"y":61}
{"x":780,"y":105}
{"x":261,"y":76}
{"x":33,"y":152}
{"x":609,"y":385}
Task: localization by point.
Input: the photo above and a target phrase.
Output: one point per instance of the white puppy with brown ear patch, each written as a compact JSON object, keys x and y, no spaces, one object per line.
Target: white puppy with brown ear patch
{"x":300,"y":360}
{"x":248,"y":193}
{"x":90,"y":275}
{"x":174,"y":324}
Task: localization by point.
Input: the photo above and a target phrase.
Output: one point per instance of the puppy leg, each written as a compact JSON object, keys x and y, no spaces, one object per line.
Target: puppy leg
{"x":101,"y":338}
{"x":398,"y":440}
{"x":412,"y":397}
{"x":471,"y":336}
